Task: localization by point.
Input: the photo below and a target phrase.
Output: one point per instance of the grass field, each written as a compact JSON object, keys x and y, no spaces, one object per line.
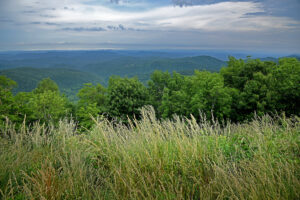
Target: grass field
{"x":152,"y":159}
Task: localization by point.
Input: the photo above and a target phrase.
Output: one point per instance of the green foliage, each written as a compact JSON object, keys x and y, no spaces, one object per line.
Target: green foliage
{"x":156,"y":85}
{"x":46,"y":85}
{"x":241,"y":90}
{"x":7,"y":84}
{"x":285,"y":81}
{"x":43,"y":104}
{"x":7,"y":105}
{"x":71,"y":71}
{"x":263,"y":87}
{"x":69,"y":81}
{"x":210,"y":96}
{"x":125,"y":96}
{"x":93,"y":94}
{"x":24,"y":111}
{"x":185,"y":95}
{"x":175,"y":98}
{"x":85,"y":113}
{"x":92,"y":102}
{"x":48,"y":106}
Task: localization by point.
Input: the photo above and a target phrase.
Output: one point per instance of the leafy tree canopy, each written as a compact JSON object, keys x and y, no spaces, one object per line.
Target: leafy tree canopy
{"x":46,"y":85}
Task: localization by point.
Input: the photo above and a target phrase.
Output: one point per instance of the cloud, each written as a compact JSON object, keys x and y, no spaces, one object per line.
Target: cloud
{"x":47,"y":16}
{"x":121,"y":27}
{"x":81,"y":29}
{"x":51,"y":24}
{"x":115,"y":28}
{"x":115,"y":1}
{"x":44,"y":23}
{"x":6,"y":21}
{"x":230,"y":15}
{"x":184,"y":2}
{"x":34,"y":23}
{"x":195,"y":23}
{"x":29,"y":11}
{"x":196,"y":2}
{"x":235,"y":16}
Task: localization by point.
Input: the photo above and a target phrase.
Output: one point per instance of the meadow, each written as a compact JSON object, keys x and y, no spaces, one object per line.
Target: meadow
{"x":149,"y":158}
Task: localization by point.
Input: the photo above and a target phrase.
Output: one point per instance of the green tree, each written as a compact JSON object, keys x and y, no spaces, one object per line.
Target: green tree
{"x":92,"y":102}
{"x":48,"y":106}
{"x":85,"y":113}
{"x":126,"y":96}
{"x":24,"y":112}
{"x":238,"y":72}
{"x":252,"y":80}
{"x":46,"y":85}
{"x":209,"y":95}
{"x":44,"y":104}
{"x":7,"y":104}
{"x":156,"y":86}
{"x":7,"y":84}
{"x":285,"y":82}
{"x":93,"y":94}
{"x":175,"y":96}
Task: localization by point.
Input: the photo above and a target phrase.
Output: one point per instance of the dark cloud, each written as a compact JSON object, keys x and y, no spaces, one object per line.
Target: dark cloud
{"x":82,"y":29}
{"x":199,"y":2}
{"x":44,"y":23}
{"x":112,"y":27}
{"x":121,"y":27}
{"x":256,"y":13}
{"x":191,"y":2}
{"x":6,"y":21}
{"x":115,"y":1}
{"x":51,"y":24}
{"x":47,"y":16}
{"x":35,"y":23}
{"x":116,"y":28}
{"x":29,"y":11}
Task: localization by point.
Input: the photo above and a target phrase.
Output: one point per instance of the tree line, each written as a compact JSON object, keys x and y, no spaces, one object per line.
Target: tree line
{"x":237,"y":92}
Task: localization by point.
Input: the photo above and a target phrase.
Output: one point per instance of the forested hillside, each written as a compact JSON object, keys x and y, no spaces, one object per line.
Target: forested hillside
{"x":132,"y":66}
{"x":68,"y":80}
{"x":237,"y":92}
{"x":71,"y":72}
{"x":71,"y":69}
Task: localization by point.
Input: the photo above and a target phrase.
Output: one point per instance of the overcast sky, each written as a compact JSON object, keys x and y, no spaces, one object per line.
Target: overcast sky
{"x":249,"y":25}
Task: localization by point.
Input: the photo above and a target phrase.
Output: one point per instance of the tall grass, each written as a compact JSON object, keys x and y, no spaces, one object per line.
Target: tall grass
{"x":152,"y":159}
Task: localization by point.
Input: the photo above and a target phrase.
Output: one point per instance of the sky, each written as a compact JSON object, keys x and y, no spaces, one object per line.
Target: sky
{"x":245,"y":25}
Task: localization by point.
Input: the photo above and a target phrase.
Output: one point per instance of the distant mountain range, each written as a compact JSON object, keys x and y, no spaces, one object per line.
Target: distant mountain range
{"x":135,"y":66}
{"x":71,"y":69}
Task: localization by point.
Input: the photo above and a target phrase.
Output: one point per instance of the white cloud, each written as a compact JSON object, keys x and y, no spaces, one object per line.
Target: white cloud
{"x":220,"y":25}
{"x":229,"y":16}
